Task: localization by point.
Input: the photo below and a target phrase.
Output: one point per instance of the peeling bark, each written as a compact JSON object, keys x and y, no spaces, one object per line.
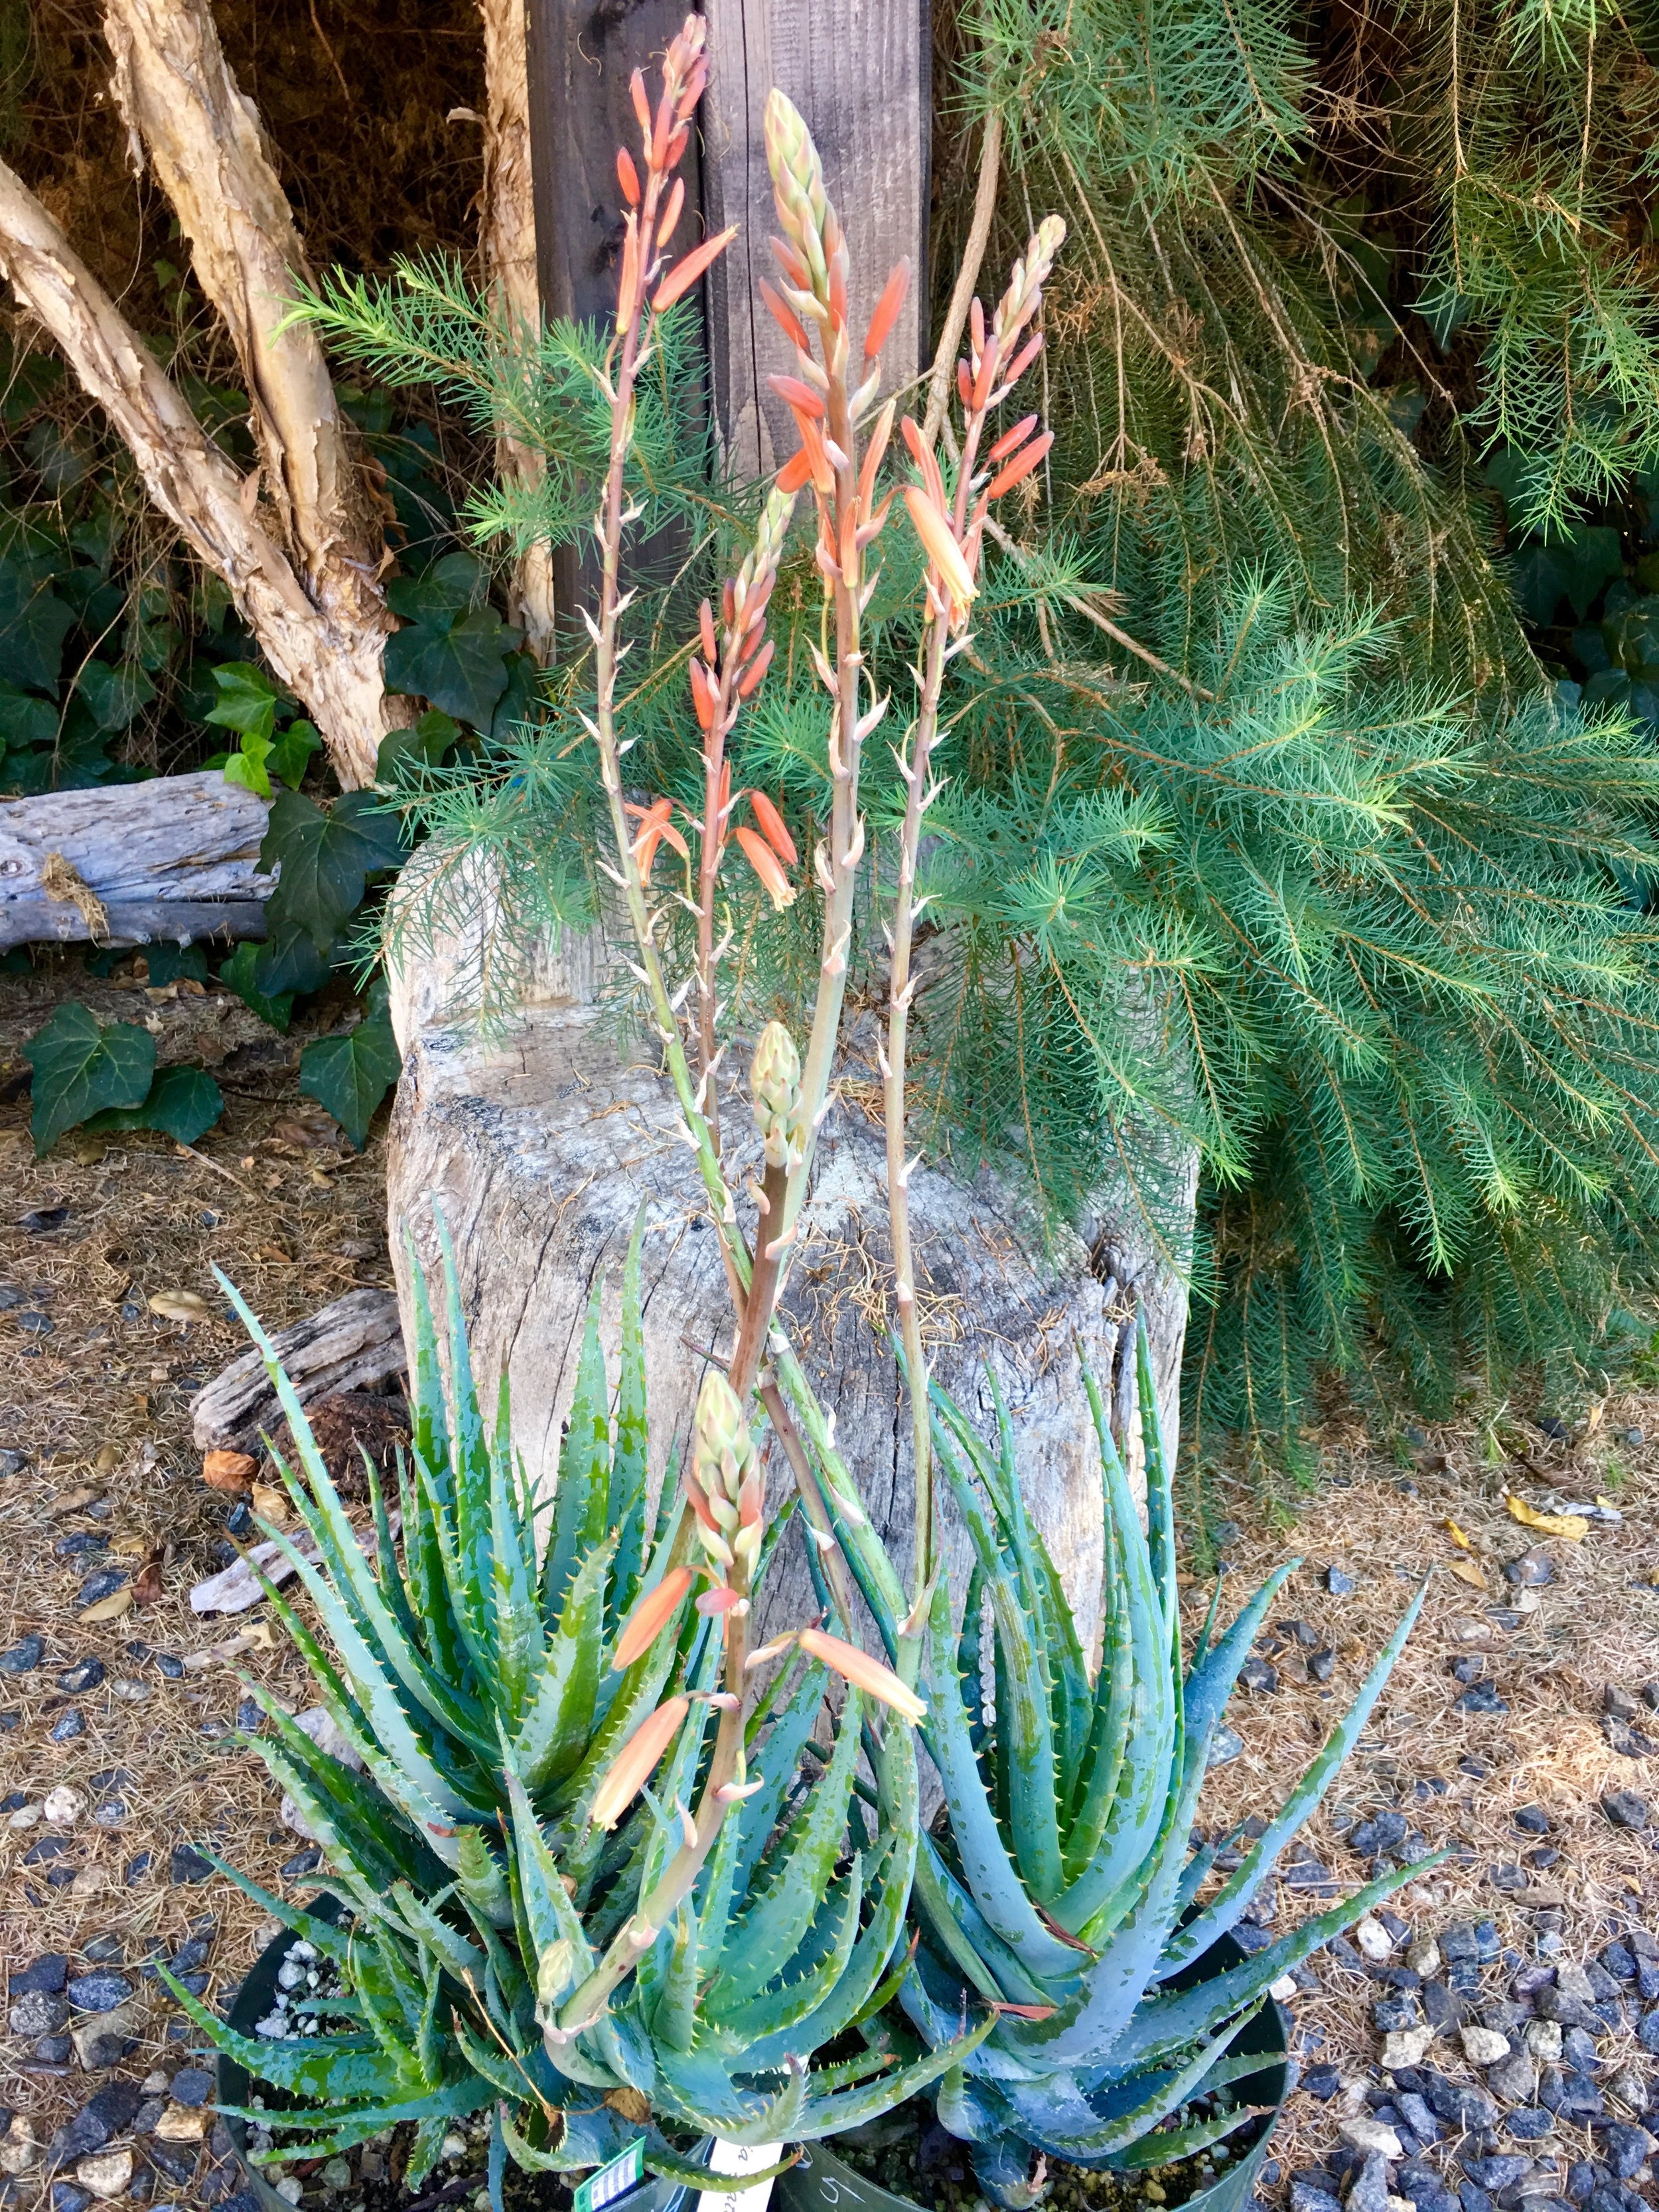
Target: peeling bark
{"x":334,"y":668}
{"x":182,"y":107}
{"x":509,"y":237}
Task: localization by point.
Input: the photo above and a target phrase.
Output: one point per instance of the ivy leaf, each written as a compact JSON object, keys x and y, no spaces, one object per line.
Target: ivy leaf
{"x":34,"y":623}
{"x":183,"y":1101}
{"x":325,"y":859}
{"x":81,"y":1068}
{"x":433,"y":598}
{"x":26,"y":719}
{"x":292,"y":750}
{"x":247,"y":700}
{"x":461,"y":667}
{"x":350,"y":1075}
{"x":248,"y":767}
{"x":424,"y":746}
{"x":114,"y":696}
{"x":168,"y":963}
{"x":239,"y":974}
{"x":289,"y":962}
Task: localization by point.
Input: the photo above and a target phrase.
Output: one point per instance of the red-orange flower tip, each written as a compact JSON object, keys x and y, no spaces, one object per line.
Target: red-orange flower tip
{"x":650,"y":1616}
{"x":773,"y":828}
{"x":764,"y":861}
{"x":887,"y":309}
{"x":863,"y":1672}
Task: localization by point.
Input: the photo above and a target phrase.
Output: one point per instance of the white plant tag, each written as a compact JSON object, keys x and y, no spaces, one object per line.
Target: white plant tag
{"x":739,"y":2158}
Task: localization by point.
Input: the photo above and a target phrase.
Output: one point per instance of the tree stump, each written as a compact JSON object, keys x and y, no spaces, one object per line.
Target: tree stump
{"x":540,"y":1147}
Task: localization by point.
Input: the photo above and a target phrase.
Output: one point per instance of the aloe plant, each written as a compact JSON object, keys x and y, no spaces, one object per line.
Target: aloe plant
{"x":532,"y":1926}
{"x":1064,"y":1888}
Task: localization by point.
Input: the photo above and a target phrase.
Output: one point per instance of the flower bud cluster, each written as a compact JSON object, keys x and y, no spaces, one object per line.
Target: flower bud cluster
{"x":774,"y":1096}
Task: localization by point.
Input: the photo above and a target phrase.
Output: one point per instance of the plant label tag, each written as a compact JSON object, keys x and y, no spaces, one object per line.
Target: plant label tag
{"x":612,"y":2181}
{"x":736,"y":2159}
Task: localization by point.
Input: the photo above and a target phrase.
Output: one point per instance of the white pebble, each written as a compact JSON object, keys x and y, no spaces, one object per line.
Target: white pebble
{"x":1283,"y":1989}
{"x":272,"y":2026}
{"x":63,"y":1805}
{"x":1369,"y":2135}
{"x":1485,"y":2046}
{"x":290,"y":2188}
{"x":26,"y":1816}
{"x":289,"y":1974}
{"x":1374,"y":1939}
{"x":454,"y":2146}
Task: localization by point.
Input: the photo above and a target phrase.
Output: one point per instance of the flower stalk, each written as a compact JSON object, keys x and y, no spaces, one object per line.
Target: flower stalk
{"x":951,"y":535}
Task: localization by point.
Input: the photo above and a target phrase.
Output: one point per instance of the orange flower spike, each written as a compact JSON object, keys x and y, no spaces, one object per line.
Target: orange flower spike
{"x":754,"y":675}
{"x":677,"y":146}
{"x":706,"y":628}
{"x":792,"y":264}
{"x":1022,"y":360}
{"x":627,"y":176}
{"x":642,"y":102}
{"x":798,"y":398}
{"x":703,"y":695}
{"x":874,"y":454}
{"x":784,"y":315}
{"x":662,"y":130}
{"x":1020,"y":466}
{"x":894,"y":293}
{"x":1005,"y":444}
{"x":796,"y":471}
{"x":965,"y":384}
{"x":922,"y":455}
{"x":976,"y":323}
{"x":863,"y":1672}
{"x":942,"y":549}
{"x":671,"y":220}
{"x":773,"y":828}
{"x":986,"y":375}
{"x":764,"y":861}
{"x":728,"y":603}
{"x":650,"y":1616}
{"x":685,"y":272}
{"x":629,"y":285}
{"x":637,"y":1762}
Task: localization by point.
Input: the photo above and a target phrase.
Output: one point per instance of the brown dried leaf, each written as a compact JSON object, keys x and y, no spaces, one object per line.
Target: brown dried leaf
{"x":110,"y":1608}
{"x":230,"y":1471}
{"x":271,"y":1504}
{"x":1467,"y":1572}
{"x":1456,"y":1533}
{"x":147,"y":1590}
{"x":179,"y":1305}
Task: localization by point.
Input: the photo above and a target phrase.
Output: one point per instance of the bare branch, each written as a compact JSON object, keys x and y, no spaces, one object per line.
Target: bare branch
{"x":334,"y":668}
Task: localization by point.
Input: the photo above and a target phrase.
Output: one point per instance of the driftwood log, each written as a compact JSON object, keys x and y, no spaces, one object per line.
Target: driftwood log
{"x":171,"y":859}
{"x":539,"y":1148}
{"x":352,"y":1345}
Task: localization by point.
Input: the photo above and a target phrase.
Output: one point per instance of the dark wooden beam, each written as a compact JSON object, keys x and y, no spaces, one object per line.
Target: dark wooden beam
{"x":860,"y":71}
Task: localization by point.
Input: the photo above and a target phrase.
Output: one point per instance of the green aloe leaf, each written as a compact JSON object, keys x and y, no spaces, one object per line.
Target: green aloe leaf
{"x":556,"y":1728}
{"x":584,"y":1491}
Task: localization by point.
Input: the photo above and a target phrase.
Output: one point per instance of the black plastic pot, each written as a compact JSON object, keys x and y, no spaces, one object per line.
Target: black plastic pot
{"x":255,"y":1999}
{"x":822,"y":2182}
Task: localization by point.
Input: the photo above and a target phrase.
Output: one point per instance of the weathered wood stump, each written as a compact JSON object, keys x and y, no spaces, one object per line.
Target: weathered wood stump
{"x":539,"y":1149}
{"x":171,"y":860}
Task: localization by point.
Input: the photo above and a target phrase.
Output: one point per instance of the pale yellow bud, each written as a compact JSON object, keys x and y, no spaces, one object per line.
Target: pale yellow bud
{"x":720,"y":1448}
{"x":774,"y":1091}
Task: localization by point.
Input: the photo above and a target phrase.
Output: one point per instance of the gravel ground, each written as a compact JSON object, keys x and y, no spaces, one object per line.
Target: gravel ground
{"x":1494,"y":1742}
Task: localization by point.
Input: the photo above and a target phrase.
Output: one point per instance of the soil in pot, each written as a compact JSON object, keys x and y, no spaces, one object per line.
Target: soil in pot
{"x":910,"y":2156}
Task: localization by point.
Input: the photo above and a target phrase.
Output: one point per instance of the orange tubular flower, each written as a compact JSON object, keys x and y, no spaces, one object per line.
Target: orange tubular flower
{"x":887,"y":309}
{"x":684,"y":273}
{"x":863,"y":1672}
{"x":1005,"y":444}
{"x":637,"y":1762}
{"x":764,"y":861}
{"x":795,"y":471}
{"x":942,"y":549}
{"x":753,"y":675}
{"x":785,"y":316}
{"x":1021,"y":465}
{"x":773,"y":827}
{"x":798,"y":398}
{"x":650,"y":1616}
{"x":627,"y":176}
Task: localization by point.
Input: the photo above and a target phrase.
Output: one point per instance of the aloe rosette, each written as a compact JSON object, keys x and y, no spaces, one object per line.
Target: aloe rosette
{"x":494,"y":1688}
{"x":1065,"y":1887}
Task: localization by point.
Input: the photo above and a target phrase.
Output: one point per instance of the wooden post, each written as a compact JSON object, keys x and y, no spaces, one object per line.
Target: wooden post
{"x":861,"y":73}
{"x":859,"y":70}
